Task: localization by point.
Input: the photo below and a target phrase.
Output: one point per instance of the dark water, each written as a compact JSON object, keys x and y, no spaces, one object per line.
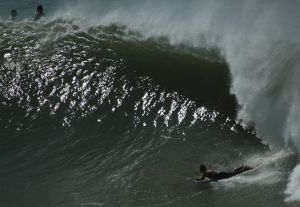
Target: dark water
{"x":103,"y":116}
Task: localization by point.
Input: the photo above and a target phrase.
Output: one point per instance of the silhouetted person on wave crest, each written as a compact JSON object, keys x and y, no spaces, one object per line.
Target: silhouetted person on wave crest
{"x":13,"y":15}
{"x":214,"y":176}
{"x":39,"y":13}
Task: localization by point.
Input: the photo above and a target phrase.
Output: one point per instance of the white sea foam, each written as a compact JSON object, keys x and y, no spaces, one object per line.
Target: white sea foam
{"x":293,"y":189}
{"x":269,"y":168}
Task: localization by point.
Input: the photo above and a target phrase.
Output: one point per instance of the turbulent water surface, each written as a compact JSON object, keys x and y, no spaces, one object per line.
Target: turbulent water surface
{"x":116,"y":103}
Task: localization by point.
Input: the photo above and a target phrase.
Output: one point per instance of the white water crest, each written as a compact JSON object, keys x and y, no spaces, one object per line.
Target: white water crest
{"x":293,"y":190}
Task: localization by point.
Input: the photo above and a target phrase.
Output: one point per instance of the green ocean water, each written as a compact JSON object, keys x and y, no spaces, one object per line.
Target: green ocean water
{"x":94,"y":112}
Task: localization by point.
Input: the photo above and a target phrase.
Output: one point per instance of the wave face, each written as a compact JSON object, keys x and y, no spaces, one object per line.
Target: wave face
{"x":114,"y":102}
{"x":102,"y":106}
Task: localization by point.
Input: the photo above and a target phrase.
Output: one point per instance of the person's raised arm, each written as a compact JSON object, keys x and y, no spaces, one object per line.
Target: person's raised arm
{"x":203,"y":176}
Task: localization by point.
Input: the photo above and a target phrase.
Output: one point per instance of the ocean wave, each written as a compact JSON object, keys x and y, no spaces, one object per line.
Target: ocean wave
{"x":154,"y":64}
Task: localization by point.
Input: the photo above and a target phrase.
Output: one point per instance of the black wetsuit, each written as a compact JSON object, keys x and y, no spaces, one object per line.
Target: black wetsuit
{"x":224,"y":175}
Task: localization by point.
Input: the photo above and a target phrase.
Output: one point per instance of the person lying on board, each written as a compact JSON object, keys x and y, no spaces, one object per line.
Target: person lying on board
{"x":214,"y":176}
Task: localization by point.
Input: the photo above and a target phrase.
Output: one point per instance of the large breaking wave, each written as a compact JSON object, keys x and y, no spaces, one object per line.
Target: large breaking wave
{"x":258,"y":41}
{"x":101,"y":103}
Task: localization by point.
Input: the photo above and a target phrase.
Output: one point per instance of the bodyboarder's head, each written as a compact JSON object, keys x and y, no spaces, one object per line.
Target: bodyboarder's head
{"x":202,"y":168}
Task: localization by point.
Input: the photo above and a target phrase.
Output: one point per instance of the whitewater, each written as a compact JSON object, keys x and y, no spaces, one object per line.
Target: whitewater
{"x":116,"y":103}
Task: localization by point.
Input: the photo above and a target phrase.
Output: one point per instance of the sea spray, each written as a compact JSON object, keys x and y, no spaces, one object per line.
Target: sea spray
{"x":265,"y":80}
{"x":293,"y":190}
